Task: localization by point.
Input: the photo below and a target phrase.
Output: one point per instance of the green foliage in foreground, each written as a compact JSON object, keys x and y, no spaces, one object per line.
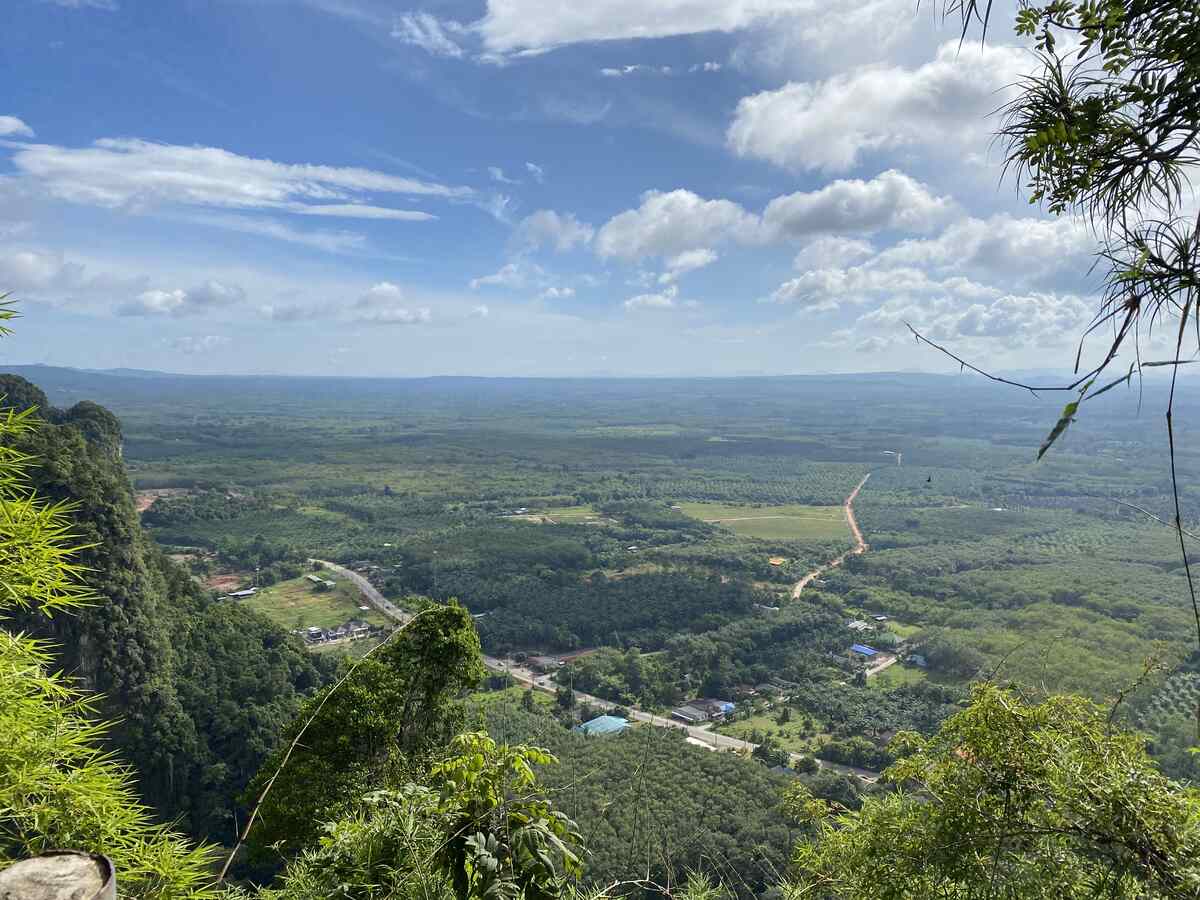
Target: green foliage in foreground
{"x":479,"y":827}
{"x":1010,"y":800}
{"x":383,"y":720}
{"x":56,"y":788}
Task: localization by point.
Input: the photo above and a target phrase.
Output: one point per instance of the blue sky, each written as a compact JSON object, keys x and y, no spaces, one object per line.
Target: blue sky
{"x":518,"y":187}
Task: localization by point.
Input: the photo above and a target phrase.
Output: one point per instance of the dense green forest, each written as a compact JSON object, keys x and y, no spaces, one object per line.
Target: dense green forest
{"x":553,"y":511}
{"x":200,"y":690}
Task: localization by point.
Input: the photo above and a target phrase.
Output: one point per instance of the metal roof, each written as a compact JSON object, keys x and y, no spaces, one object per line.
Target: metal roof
{"x":863,"y":649}
{"x":603,"y":725}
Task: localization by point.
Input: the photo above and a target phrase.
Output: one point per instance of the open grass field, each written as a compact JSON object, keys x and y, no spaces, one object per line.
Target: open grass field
{"x":789,"y":735}
{"x":789,"y":522}
{"x":294,"y":604}
{"x":895,"y":676}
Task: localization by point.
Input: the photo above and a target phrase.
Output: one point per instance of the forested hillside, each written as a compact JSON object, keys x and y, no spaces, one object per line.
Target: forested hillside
{"x":199,"y":691}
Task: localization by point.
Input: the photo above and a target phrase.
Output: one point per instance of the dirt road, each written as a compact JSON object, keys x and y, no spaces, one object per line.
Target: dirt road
{"x":860,"y":546}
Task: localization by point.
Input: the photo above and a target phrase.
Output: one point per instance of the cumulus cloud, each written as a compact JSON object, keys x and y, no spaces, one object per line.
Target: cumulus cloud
{"x":11,"y":126}
{"x":510,"y":275}
{"x":514,"y":25}
{"x":557,"y":293}
{"x":673,"y":222}
{"x":180,"y":302}
{"x":685,"y":262}
{"x":547,"y":228}
{"x":705,"y":67}
{"x":891,"y":200}
{"x":433,"y":35}
{"x":35,"y":269}
{"x":480,"y":311}
{"x":198,"y":343}
{"x":136,"y":174}
{"x":384,"y":304}
{"x":822,"y":290}
{"x":1024,"y":250}
{"x":536,"y":172}
{"x":665,"y":299}
{"x":832,"y":252}
{"x":1037,"y":319}
{"x":829,"y":125}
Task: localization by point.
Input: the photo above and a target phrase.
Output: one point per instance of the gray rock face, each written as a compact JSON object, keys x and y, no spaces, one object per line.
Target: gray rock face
{"x":59,"y":875}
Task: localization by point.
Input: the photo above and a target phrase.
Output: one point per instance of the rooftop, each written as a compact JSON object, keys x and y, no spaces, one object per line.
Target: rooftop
{"x":603,"y":725}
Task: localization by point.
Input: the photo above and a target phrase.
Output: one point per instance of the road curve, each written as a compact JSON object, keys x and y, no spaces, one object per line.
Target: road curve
{"x":860,"y":545}
{"x":546,"y":683}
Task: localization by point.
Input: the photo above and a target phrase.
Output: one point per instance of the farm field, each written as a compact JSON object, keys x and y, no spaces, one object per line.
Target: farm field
{"x":294,"y":604}
{"x":789,"y":522}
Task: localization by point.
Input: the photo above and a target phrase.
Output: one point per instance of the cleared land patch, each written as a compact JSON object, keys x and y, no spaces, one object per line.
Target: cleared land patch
{"x":789,"y":522}
{"x":295,"y":604}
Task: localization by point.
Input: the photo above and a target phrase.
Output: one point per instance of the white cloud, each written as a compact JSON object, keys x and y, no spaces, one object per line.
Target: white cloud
{"x":536,"y":172}
{"x":832,"y":252}
{"x":685,"y":262}
{"x":891,"y":200}
{"x":198,"y":343}
{"x":106,"y":5}
{"x":1021,"y":250}
{"x":557,"y":293}
{"x":136,"y":174}
{"x":820,"y":290}
{"x":291,"y":312}
{"x":328,"y":241}
{"x":514,"y":25}
{"x":1034,"y":319}
{"x":561,"y":231}
{"x":500,"y":207}
{"x":420,"y":29}
{"x":670,"y":223}
{"x":828,"y":125}
{"x":510,"y":275}
{"x":25,"y":270}
{"x":499,"y":177}
{"x":480,"y":312}
{"x":384,"y":304}
{"x":362,"y":211}
{"x":179,"y":302}
{"x":636,"y":69}
{"x":11,"y":126}
{"x":664,"y":299}
{"x":705,"y":67}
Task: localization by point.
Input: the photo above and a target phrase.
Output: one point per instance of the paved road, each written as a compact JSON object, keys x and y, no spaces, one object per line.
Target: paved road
{"x":860,"y":546}
{"x":376,"y":599}
{"x":547,"y":684}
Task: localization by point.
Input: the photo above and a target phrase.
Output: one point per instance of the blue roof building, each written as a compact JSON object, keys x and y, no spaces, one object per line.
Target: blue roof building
{"x":602,"y":725}
{"x":863,"y":650}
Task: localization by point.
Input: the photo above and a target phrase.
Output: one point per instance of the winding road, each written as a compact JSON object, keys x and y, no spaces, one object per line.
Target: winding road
{"x":547,"y":684}
{"x":860,"y":546}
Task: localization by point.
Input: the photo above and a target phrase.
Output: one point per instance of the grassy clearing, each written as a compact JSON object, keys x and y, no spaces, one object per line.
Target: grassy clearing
{"x":294,"y":604}
{"x":789,"y":522}
{"x":789,"y":735}
{"x":896,"y":676}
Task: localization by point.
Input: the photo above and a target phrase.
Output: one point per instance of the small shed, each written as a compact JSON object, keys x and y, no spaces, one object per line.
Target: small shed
{"x":602,"y":725}
{"x":863,"y":650}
